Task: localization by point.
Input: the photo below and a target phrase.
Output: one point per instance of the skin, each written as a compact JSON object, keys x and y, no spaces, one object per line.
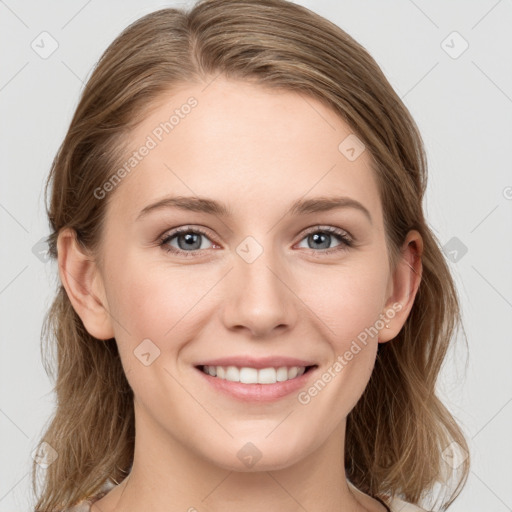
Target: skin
{"x":257,"y":151}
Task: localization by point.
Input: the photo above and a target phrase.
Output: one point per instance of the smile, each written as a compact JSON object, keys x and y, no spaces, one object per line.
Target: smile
{"x":248,"y":375}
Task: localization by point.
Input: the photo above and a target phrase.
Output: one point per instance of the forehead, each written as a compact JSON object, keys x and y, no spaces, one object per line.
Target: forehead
{"x":241,"y":143}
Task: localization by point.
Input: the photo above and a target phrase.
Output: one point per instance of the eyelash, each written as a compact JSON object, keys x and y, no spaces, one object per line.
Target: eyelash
{"x":345,"y":239}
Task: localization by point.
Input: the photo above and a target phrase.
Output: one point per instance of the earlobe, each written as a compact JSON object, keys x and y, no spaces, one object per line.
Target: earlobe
{"x":405,"y":283}
{"x":81,"y":278}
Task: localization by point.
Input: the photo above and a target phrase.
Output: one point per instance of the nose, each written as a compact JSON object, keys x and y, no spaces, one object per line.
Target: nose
{"x":259,"y":297}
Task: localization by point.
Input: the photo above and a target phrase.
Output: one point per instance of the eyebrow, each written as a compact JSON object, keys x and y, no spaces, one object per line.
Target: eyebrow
{"x":299,"y":207}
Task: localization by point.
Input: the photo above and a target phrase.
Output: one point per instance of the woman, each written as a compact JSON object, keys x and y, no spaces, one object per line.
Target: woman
{"x":209,"y":355}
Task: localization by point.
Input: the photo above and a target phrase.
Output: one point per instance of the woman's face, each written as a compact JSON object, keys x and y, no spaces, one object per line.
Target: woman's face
{"x":275,"y":279}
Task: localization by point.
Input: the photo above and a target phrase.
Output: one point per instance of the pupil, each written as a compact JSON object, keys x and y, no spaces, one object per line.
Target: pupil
{"x":190,"y":240}
{"x":326,"y":237}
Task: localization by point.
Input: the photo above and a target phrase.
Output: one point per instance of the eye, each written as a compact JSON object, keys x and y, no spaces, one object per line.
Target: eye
{"x":320,"y":237}
{"x":188,"y":240}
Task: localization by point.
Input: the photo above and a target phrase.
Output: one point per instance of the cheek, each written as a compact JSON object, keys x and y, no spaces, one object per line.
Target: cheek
{"x":148,"y":298}
{"x":141,"y":297}
{"x":348,"y":300}
{"x":153,"y":301}
{"x":348,"y":303}
{"x":152,"y":314}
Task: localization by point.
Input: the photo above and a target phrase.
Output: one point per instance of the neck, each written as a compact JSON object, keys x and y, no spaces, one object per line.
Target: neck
{"x":166,"y":473}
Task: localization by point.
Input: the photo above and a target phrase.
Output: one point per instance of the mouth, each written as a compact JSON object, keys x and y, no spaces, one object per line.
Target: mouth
{"x":250,"y":375}
{"x":256,"y":385}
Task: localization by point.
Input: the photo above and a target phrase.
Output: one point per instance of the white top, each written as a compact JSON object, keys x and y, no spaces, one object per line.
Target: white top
{"x":396,"y":505}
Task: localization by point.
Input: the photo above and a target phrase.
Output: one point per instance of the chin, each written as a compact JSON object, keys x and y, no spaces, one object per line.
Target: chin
{"x":253,"y":456}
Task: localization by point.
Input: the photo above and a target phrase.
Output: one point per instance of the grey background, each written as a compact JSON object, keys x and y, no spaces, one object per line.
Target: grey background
{"x":463,"y":106}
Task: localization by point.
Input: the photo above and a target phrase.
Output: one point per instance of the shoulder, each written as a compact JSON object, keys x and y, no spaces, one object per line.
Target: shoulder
{"x":85,"y":505}
{"x":398,"y":505}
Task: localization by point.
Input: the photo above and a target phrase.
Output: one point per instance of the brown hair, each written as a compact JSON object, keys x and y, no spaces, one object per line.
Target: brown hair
{"x":399,"y":428}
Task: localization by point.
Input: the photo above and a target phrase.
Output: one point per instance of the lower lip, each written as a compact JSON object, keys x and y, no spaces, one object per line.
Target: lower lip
{"x":258,"y":392}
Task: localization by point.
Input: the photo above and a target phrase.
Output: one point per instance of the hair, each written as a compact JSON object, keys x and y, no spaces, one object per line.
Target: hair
{"x":399,"y":428}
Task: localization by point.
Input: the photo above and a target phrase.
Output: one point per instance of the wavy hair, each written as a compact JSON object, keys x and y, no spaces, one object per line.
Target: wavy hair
{"x":397,"y":432}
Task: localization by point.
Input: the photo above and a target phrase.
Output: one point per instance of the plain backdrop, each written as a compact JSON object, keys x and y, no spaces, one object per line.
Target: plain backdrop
{"x":451,"y":64}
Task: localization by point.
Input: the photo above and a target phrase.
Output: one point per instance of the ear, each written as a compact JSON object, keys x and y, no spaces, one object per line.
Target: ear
{"x":404,"y":284}
{"x":81,"y":278}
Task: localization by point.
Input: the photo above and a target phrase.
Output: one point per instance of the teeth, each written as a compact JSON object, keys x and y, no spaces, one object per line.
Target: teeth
{"x":248,"y":375}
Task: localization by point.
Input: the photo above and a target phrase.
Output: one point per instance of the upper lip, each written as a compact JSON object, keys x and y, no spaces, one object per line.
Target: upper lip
{"x":253,"y":362}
